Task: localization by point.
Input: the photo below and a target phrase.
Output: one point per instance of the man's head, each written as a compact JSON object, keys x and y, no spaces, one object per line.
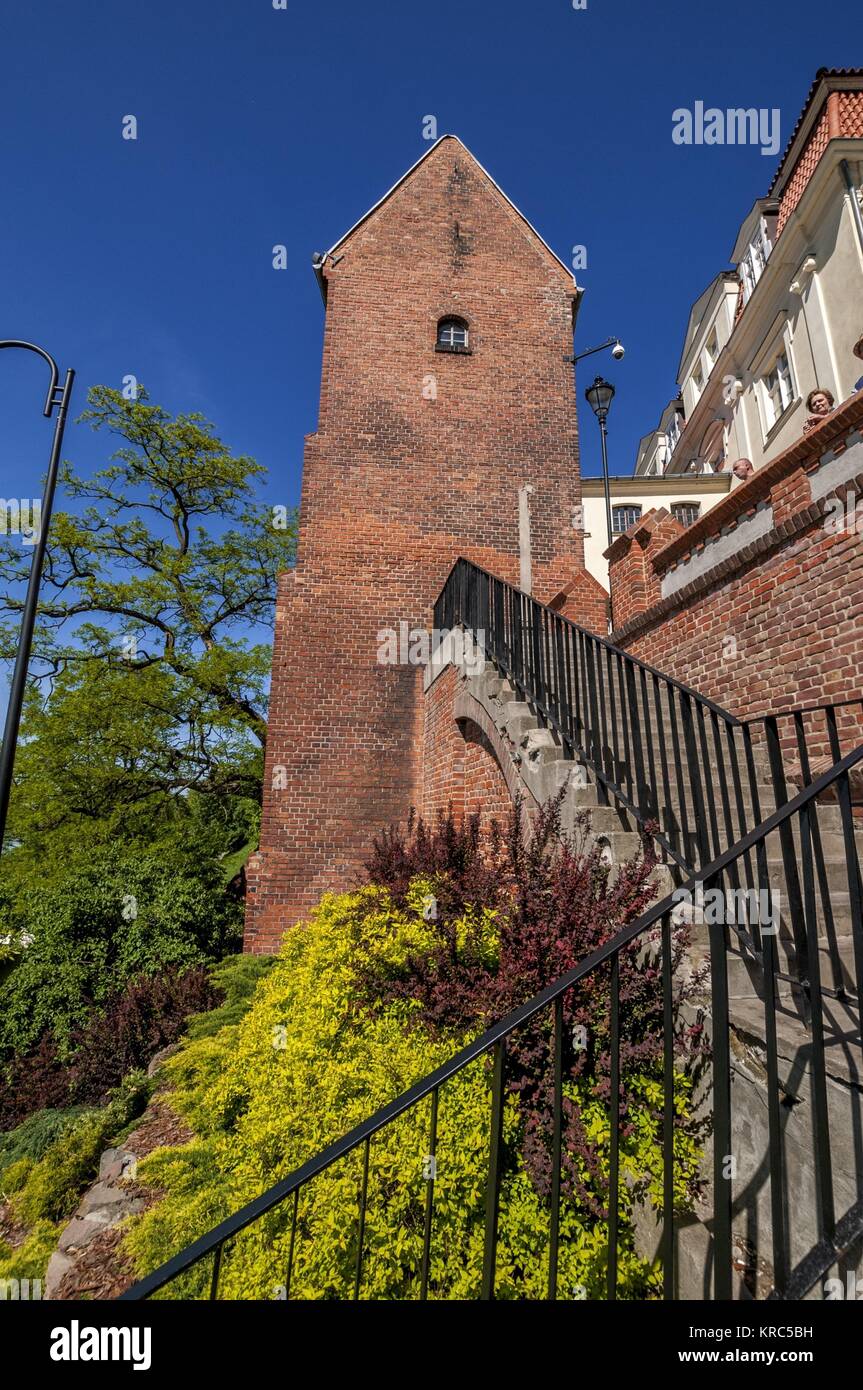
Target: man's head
{"x":742,"y":469}
{"x":858,"y":348}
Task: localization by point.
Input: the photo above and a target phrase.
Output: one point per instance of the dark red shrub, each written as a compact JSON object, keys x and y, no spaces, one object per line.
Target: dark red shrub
{"x":558,"y":903}
{"x":38,"y":1080}
{"x":150,"y":1013}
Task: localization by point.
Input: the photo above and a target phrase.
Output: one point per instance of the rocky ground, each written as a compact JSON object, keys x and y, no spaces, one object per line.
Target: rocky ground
{"x":89,"y":1261}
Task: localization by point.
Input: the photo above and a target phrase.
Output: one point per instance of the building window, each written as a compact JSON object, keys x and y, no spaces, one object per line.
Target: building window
{"x":685,"y":512}
{"x":698,"y":382}
{"x":624,"y":517}
{"x":712,"y":348}
{"x":755,"y":260}
{"x":452,"y":336}
{"x":672,"y":434}
{"x":778,"y":388}
{"x":712,"y":450}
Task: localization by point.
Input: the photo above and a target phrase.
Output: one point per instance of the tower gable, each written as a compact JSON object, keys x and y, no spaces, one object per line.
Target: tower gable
{"x":466,"y":171}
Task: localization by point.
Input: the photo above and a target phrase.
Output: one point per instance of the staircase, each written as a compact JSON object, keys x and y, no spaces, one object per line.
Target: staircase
{"x":544,"y":769}
{"x":762,"y":857}
{"x":650,"y":753}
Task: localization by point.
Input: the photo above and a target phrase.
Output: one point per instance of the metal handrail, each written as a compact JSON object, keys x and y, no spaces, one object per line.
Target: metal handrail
{"x":649,"y":670}
{"x":691,"y":774}
{"x":597,"y":699}
{"x":494,"y":1039}
{"x":803,"y":709}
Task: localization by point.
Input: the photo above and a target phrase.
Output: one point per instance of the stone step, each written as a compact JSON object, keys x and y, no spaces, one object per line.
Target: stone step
{"x":841,"y":926}
{"x":841,"y":1022}
{"x":827,"y":821}
{"x":839,"y":900}
{"x":836,"y":966}
{"x":684,"y":780}
{"x":616,"y":846}
{"x":834,"y":871}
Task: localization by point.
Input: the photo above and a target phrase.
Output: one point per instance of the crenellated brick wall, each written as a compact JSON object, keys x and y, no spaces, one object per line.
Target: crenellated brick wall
{"x":759,"y":604}
{"x":636,"y":583}
{"x":584,"y":601}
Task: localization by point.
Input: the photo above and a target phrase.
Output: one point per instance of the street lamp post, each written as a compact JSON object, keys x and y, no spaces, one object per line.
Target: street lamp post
{"x":599,"y":397}
{"x":56,"y":399}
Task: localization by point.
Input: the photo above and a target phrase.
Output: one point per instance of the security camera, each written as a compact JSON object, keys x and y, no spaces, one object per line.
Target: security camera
{"x":618,"y":351}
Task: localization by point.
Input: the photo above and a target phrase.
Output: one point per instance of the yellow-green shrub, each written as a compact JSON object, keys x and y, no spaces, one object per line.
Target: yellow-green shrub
{"x":15,"y":1176}
{"x":30,"y":1259}
{"x":53,"y":1185}
{"x":304,"y":1066}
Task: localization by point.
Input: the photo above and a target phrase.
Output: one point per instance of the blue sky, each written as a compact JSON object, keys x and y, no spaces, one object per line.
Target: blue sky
{"x":259,"y":126}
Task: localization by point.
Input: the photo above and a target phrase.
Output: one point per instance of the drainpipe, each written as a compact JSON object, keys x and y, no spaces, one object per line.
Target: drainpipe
{"x":525,"y":575}
{"x":855,"y":201}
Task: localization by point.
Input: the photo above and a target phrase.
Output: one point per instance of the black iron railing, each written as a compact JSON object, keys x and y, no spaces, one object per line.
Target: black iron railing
{"x":679,"y":763}
{"x":667,"y":754}
{"x":797,"y":1069}
{"x":648,"y":739}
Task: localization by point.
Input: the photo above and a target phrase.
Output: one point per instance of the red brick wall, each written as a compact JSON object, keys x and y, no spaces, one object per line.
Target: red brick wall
{"x":634,"y":581}
{"x":584,"y":601}
{"x":780,"y":623}
{"x":485,"y":789}
{"x":443,"y":780}
{"x":395,"y":487}
{"x":459,"y":765}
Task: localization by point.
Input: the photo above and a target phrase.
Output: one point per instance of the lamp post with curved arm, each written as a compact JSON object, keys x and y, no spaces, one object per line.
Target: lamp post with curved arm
{"x":599,"y":397}
{"x":57,"y":400}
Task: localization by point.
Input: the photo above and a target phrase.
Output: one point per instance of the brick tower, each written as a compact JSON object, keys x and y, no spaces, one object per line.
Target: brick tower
{"x":421,"y":453}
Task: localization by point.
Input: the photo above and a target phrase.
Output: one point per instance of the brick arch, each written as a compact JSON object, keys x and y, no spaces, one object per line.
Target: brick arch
{"x":466,"y":763}
{"x":485,"y":786}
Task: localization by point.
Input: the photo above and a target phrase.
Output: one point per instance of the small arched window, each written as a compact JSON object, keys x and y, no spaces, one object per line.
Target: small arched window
{"x":452,"y":336}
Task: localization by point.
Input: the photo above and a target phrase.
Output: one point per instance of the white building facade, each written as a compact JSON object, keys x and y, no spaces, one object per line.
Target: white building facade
{"x":686,"y":498}
{"x":786,"y":320}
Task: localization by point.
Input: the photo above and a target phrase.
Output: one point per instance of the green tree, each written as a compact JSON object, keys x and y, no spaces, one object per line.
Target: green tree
{"x":146,"y":684}
{"x":120,"y":914}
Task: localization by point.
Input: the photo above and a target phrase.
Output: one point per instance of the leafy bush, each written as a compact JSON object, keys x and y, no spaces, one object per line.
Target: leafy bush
{"x":14,"y":1176}
{"x":556,"y":903}
{"x":236,"y":978}
{"x":150,"y":1013}
{"x":35,"y":1083}
{"x":55,"y":1182}
{"x":111,"y":919}
{"x":147,"y":1016}
{"x":30,"y":1259}
{"x":33,"y":1137}
{"x":364,"y":1000}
